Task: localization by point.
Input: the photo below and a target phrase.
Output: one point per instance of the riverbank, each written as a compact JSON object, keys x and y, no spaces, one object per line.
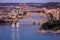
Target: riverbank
{"x":50,"y":27}
{"x":48,"y":32}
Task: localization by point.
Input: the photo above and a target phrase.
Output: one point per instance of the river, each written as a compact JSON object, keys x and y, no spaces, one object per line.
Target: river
{"x":25,"y":31}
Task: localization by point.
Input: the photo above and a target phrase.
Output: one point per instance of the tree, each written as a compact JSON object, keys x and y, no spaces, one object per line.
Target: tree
{"x":50,"y":16}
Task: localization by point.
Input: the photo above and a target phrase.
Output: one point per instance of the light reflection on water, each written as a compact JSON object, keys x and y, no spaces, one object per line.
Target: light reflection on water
{"x":24,"y":32}
{"x":13,"y":36}
{"x":15,"y":32}
{"x":18,"y":36}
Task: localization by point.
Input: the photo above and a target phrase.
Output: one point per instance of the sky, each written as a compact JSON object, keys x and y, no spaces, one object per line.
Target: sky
{"x":28,"y":1}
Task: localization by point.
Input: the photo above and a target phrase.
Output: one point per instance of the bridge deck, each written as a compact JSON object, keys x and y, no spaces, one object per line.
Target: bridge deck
{"x":9,"y":20}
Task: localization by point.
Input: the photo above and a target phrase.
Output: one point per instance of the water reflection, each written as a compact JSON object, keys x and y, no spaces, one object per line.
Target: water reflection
{"x":13,"y":25}
{"x":1,"y":32}
{"x":13,"y":36}
{"x":24,"y":32}
{"x":15,"y":31}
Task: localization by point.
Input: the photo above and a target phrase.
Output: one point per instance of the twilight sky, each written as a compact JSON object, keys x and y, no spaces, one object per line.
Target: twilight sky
{"x":28,"y":1}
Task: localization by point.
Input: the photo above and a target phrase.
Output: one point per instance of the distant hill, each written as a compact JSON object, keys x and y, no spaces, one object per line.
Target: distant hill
{"x":48,"y":5}
{"x":38,"y":5}
{"x":51,"y":5}
{"x":8,"y":4}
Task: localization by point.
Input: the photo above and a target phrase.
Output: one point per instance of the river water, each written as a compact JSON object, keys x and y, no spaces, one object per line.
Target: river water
{"x":25,"y":31}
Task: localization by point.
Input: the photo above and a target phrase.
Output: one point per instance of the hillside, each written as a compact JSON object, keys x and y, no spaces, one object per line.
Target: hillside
{"x":38,"y":5}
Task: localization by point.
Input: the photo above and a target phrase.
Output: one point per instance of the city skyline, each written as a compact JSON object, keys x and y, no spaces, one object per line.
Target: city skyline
{"x":28,"y":1}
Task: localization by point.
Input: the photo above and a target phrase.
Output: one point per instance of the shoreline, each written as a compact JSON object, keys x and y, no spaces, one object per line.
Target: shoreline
{"x":48,"y":32}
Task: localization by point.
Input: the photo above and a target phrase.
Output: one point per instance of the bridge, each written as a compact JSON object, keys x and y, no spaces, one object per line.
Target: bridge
{"x":30,"y":12}
{"x":32,"y":18}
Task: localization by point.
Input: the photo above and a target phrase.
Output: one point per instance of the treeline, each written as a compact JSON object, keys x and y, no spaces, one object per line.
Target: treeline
{"x":51,"y":25}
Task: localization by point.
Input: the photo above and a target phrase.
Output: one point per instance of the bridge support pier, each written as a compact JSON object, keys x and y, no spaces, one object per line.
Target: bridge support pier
{"x":38,"y":23}
{"x":34,"y":23}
